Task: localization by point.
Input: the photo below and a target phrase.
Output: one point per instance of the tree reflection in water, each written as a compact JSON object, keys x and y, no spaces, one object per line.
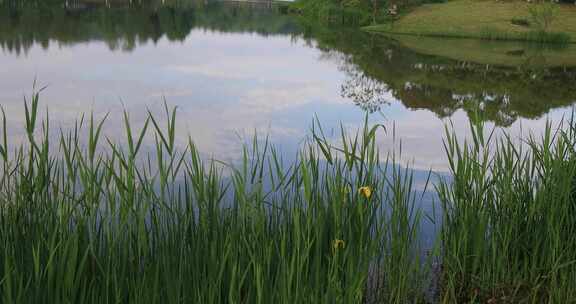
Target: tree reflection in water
{"x":378,"y":70}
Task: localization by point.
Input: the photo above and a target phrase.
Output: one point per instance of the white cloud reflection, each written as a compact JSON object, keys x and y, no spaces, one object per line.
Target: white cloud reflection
{"x":223,"y":85}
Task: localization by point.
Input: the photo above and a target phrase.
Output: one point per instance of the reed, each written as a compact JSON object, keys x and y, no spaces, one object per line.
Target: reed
{"x":94,"y":221}
{"x":84,"y":219}
{"x":510,"y":217}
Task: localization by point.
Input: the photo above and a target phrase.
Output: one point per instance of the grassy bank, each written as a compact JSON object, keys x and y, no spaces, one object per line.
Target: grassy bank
{"x":497,"y":53}
{"x":93,"y":221}
{"x":491,"y":20}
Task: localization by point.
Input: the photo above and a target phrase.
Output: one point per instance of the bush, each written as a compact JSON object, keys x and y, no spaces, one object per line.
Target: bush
{"x":543,"y":15}
{"x":520,"y":21}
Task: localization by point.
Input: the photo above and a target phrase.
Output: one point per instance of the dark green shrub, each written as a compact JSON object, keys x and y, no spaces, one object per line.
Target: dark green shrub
{"x":520,"y":21}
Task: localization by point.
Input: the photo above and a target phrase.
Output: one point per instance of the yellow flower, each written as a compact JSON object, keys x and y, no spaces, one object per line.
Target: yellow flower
{"x":365,"y":191}
{"x":338,"y":244}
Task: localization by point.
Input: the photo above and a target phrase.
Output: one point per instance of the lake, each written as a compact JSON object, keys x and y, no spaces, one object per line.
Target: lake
{"x":234,"y":68}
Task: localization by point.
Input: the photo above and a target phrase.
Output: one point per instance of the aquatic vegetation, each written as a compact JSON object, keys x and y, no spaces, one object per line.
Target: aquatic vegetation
{"x":85,"y":219}
{"x":510,"y":218}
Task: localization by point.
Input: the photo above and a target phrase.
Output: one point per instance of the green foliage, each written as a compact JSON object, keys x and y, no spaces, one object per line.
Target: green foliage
{"x":347,"y":12}
{"x":355,"y":12}
{"x":543,"y":15}
{"x":126,"y":26}
{"x":96,"y":221}
{"x":538,"y":36}
{"x":510,"y":217}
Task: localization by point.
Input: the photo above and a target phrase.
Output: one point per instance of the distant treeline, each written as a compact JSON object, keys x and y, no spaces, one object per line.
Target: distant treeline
{"x":123,"y":26}
{"x":355,"y":12}
{"x":361,"y":12}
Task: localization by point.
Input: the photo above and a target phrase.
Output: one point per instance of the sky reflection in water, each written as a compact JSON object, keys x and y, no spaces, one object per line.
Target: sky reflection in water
{"x":226,"y":85}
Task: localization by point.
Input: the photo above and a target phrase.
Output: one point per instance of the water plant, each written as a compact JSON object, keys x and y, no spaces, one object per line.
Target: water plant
{"x":85,"y":219}
{"x":510,"y":217}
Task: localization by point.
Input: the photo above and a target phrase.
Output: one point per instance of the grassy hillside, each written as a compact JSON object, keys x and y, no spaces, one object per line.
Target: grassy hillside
{"x":468,"y":18}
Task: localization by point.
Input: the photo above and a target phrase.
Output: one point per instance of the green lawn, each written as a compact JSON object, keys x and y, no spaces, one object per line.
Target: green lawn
{"x":468,"y":18}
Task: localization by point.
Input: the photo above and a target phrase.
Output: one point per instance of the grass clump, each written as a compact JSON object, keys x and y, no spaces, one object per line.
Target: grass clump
{"x":510,"y":218}
{"x":84,"y":219}
{"x":490,"y":33}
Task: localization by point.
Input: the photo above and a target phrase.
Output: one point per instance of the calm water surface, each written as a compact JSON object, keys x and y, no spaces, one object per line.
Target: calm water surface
{"x":233,"y":69}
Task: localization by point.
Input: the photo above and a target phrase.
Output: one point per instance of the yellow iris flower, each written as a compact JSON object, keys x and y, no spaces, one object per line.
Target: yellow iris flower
{"x":339,"y":244}
{"x":365,"y":191}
